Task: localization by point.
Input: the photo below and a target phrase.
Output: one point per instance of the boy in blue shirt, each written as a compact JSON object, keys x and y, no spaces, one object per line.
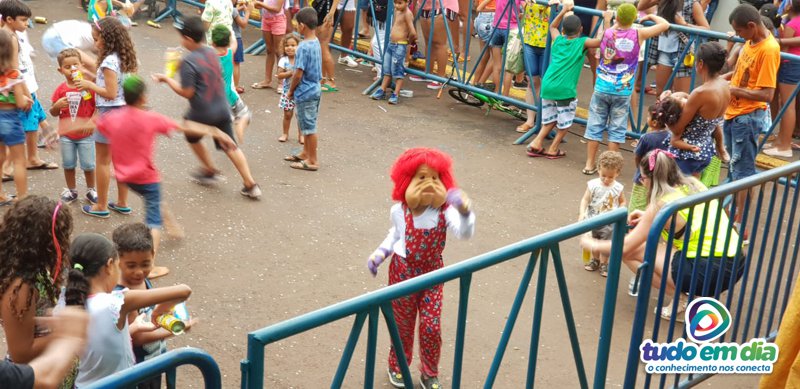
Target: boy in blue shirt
{"x":305,"y":89}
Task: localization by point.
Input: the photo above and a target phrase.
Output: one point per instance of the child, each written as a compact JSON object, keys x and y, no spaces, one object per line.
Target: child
{"x":608,"y":110}
{"x":305,"y":89}
{"x":534,"y":19}
{"x":13,"y":96}
{"x":603,"y":194}
{"x":429,"y":205}
{"x":285,"y":72}
{"x":392,"y":67}
{"x":656,"y":138}
{"x":34,"y":239}
{"x":221,"y":41}
{"x":217,"y":12}
{"x":134,"y":243}
{"x":116,"y":57}
{"x":273,"y":28}
{"x":241,"y":15}
{"x":75,"y":146}
{"x":95,"y":271}
{"x":201,"y":84}
{"x":559,"y":87}
{"x":135,"y":130}
{"x":15,"y":17}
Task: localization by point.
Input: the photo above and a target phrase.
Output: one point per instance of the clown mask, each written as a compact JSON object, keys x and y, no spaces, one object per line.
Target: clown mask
{"x":425,"y":190}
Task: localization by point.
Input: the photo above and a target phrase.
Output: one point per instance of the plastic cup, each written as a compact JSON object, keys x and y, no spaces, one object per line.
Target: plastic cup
{"x":74,"y":100}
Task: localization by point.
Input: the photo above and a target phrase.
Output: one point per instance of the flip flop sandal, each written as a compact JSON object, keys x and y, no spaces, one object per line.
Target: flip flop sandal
{"x":8,"y":201}
{"x":593,"y":265}
{"x":302,"y":165}
{"x":7,"y":178}
{"x":328,"y":88}
{"x":534,"y":152}
{"x":44,"y":166}
{"x":589,"y":172}
{"x":525,"y":126}
{"x":87,"y":209}
{"x":259,"y":85}
{"x":557,"y":155}
{"x":292,"y":158}
{"x":121,"y":210}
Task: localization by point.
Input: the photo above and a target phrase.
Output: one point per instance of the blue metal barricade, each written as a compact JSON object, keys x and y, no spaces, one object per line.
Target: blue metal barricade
{"x":542,"y":250}
{"x":165,"y":364}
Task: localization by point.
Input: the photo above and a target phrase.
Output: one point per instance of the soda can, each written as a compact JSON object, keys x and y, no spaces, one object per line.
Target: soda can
{"x":40,"y":20}
{"x":171,"y":324}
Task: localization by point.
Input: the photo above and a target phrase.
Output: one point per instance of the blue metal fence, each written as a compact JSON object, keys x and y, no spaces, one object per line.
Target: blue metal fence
{"x":165,"y":364}
{"x":757,"y":301}
{"x":541,"y":250}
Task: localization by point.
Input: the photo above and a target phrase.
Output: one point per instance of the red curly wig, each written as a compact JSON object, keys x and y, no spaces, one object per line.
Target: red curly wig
{"x":407,"y":164}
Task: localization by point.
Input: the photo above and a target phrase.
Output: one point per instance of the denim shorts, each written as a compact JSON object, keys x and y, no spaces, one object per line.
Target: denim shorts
{"x":52,"y":43}
{"x":98,"y":137}
{"x":393,"y":60}
{"x":11,"y":133}
{"x":484,"y":24}
{"x":73,"y":150}
{"x":789,"y":72}
{"x":533,"y":58}
{"x":718,"y":269}
{"x":307,"y":112}
{"x":500,"y":37}
{"x":238,"y":56}
{"x":607,"y":113}
{"x":152,"y":203}
{"x":667,"y":59}
{"x":741,"y":136}
{"x":30,"y":119}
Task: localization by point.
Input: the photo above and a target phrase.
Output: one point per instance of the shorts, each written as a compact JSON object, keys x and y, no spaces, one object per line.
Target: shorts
{"x":726,"y":267}
{"x":393,"y":60}
{"x":607,"y":113}
{"x":789,"y":72}
{"x":286,"y":103}
{"x":52,"y":43}
{"x":448,"y":13}
{"x":238,"y":56}
{"x":741,"y":135}
{"x":562,"y":112}
{"x":275,"y":24}
{"x":74,"y":150}
{"x":11,"y":133}
{"x":667,"y":59}
{"x":98,"y":137}
{"x":500,"y":37}
{"x":240,"y":111}
{"x":307,"y":112}
{"x":30,"y":119}
{"x":225,"y":125}
{"x":484,"y":24}
{"x":350,"y":5}
{"x":152,"y":203}
{"x":533,"y":58}
{"x":692,"y":166}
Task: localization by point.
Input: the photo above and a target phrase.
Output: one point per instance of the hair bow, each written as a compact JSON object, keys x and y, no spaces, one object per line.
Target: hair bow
{"x":654,"y":154}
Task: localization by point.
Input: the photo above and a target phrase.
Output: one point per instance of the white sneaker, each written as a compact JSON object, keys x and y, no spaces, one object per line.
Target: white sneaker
{"x":774,"y":152}
{"x":254,"y":192}
{"x":349,"y":61}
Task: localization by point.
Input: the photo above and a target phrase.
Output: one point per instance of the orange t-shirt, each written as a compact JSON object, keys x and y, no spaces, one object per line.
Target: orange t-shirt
{"x":757,"y":68}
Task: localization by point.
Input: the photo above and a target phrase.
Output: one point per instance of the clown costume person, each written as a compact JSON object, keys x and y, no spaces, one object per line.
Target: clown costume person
{"x":429,"y":205}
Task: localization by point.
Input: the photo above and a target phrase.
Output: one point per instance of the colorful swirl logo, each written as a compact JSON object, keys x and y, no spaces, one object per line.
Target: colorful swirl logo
{"x":707,"y":319}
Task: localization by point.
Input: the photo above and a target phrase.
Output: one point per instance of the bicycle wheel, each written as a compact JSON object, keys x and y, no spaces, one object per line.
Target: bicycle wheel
{"x":465,"y":97}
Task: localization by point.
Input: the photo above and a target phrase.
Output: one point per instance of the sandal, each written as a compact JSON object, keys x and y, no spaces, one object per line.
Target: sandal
{"x":589,"y":172}
{"x":666,"y":312}
{"x":604,"y":270}
{"x":303,"y":165}
{"x":559,"y":154}
{"x":292,"y":158}
{"x":593,"y":265}
{"x":532,"y":152}
{"x":259,"y":85}
{"x":524,"y":128}
{"x":327,"y":88}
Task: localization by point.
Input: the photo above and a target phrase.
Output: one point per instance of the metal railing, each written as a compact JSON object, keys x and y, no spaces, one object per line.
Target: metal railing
{"x":165,"y":364}
{"x":756,"y":299}
{"x":542,"y":250}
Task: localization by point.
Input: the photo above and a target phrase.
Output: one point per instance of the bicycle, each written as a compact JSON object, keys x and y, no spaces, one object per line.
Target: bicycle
{"x":478,"y":100}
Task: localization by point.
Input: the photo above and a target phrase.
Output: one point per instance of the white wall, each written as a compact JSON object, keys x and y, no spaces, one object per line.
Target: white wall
{"x":720,"y":21}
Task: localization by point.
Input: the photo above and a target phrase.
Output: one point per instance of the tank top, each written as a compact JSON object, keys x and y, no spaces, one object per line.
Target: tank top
{"x":619,"y":57}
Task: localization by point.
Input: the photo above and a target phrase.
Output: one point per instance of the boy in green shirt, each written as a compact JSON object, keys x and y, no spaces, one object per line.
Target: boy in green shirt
{"x":225,"y":47}
{"x":560,"y":82}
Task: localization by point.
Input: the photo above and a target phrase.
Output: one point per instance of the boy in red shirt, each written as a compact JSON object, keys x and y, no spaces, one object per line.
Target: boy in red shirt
{"x":75,"y":145}
{"x":132,"y":131}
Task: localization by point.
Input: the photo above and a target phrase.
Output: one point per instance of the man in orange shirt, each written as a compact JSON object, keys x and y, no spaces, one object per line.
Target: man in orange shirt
{"x":753,"y":83}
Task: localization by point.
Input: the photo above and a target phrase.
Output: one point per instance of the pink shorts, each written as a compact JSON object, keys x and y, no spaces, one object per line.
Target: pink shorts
{"x":275,"y":24}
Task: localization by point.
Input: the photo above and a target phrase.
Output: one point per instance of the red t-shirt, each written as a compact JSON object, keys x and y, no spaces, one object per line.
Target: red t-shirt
{"x":131,"y":132}
{"x":85,"y":110}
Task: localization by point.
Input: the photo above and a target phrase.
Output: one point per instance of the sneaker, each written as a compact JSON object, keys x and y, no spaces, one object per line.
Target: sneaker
{"x":633,"y":288}
{"x":68,"y":196}
{"x":393,"y":98}
{"x":604,"y":270}
{"x":349,"y":61}
{"x":378,"y":95}
{"x":254,"y":192}
{"x":396,"y":379}
{"x":204,"y":178}
{"x":429,"y":383}
{"x":434,"y":85}
{"x":91,"y":195}
{"x":121,"y":210}
{"x":87,"y":209}
{"x":416,"y":78}
{"x":520,"y":85}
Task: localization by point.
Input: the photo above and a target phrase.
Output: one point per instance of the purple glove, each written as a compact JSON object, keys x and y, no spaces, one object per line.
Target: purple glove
{"x":454,"y":198}
{"x":376,"y":259}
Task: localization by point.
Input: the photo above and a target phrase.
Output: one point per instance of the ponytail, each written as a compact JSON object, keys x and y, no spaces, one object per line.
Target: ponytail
{"x":89,"y":254}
